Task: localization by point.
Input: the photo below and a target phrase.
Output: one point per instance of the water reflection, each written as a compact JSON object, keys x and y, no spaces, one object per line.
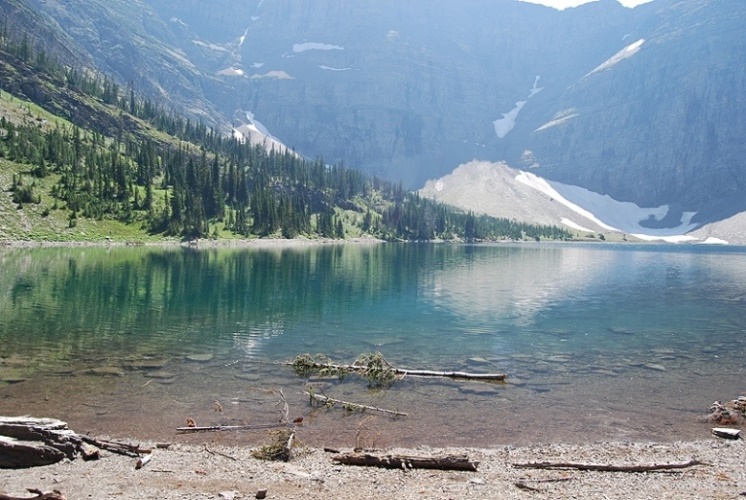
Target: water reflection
{"x":586,"y":329}
{"x":499,"y":285}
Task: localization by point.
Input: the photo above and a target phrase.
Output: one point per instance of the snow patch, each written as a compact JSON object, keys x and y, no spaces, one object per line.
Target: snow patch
{"x":535,"y":89}
{"x":677,"y":238}
{"x":273,"y":75}
{"x":623,"y":54}
{"x":610,"y":214}
{"x":303,"y":47}
{"x":176,"y":20}
{"x":559,"y":119}
{"x":255,"y":132}
{"x":231,"y":72}
{"x":241,"y":40}
{"x":543,"y":186}
{"x":505,"y":124}
{"x":567,"y":222}
{"x":713,"y":241}
{"x":210,"y":46}
{"x":329,"y":68}
{"x":254,"y":18}
{"x":257,"y":65}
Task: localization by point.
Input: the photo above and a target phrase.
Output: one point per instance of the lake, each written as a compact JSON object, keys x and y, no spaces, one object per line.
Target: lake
{"x":599,"y":341}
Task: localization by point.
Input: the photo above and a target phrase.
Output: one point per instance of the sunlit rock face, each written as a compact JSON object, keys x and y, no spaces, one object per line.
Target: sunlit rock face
{"x":645,"y":104}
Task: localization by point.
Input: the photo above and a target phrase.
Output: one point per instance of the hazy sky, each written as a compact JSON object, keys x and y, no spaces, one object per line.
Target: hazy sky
{"x":563,"y":4}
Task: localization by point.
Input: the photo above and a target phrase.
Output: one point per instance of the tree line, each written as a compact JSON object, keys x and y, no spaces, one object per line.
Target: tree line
{"x":202,"y":183}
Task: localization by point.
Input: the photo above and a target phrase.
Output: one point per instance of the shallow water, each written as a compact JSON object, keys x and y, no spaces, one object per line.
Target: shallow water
{"x":600,"y":342}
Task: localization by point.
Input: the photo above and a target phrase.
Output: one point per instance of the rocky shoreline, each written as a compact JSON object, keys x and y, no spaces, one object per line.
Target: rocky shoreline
{"x":217,"y":470}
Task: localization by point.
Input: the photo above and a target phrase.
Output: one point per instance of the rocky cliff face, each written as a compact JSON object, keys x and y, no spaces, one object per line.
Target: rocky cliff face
{"x":657,"y":122}
{"x":129,"y":41}
{"x":643,"y":104}
{"x":406,"y":90}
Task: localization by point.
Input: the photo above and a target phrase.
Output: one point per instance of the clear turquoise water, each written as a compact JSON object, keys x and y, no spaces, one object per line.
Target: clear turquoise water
{"x":598,"y":341}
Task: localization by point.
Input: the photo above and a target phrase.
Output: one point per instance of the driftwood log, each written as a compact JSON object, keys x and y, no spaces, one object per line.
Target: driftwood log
{"x":15,"y":454}
{"x":447,"y":462}
{"x":607,"y":468}
{"x":30,"y":442}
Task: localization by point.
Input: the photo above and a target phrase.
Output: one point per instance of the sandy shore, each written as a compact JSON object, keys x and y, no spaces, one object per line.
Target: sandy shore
{"x":218,"y":471}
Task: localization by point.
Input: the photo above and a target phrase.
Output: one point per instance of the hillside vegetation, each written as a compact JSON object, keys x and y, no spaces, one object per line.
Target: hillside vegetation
{"x":83,"y":158}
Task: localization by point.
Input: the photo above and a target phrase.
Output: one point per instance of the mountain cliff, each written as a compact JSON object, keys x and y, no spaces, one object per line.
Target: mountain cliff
{"x":644,"y":105}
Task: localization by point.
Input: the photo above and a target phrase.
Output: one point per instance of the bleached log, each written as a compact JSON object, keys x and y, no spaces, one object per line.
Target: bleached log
{"x":142,"y":461}
{"x":498,"y":377}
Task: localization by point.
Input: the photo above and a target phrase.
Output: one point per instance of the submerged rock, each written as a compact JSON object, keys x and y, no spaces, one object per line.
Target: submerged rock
{"x":147,"y":364}
{"x":113,"y":371}
{"x":653,"y":366}
{"x":479,"y":389}
{"x":477,"y":360}
{"x":201,"y":358}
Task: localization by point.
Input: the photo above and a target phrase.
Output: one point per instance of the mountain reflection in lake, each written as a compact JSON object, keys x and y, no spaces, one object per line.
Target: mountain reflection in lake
{"x":598,"y":341}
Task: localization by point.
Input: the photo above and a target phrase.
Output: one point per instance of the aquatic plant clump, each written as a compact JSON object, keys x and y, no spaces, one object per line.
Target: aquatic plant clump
{"x":376,"y":370}
{"x":373,"y":367}
{"x":279,"y":448}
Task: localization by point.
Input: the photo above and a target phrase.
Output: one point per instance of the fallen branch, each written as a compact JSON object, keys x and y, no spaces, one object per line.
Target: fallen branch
{"x":447,"y":462}
{"x":208,"y":450}
{"x":327,"y":401}
{"x":498,"y":377}
{"x":220,"y":428}
{"x":523,"y":486}
{"x":607,"y":468}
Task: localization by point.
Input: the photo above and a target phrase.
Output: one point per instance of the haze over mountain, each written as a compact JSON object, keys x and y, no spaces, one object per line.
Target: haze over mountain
{"x":643,"y":105}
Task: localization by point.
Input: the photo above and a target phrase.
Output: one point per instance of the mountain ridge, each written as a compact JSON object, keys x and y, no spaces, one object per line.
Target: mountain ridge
{"x":637,"y":104}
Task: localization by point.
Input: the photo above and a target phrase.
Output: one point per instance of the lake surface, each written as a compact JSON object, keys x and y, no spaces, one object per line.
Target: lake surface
{"x":599,"y":341}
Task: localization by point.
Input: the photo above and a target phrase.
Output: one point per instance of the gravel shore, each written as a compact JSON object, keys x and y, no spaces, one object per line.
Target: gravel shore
{"x":217,"y":471}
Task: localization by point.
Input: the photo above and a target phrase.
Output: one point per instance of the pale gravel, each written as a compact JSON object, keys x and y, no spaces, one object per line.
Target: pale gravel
{"x":199,"y":472}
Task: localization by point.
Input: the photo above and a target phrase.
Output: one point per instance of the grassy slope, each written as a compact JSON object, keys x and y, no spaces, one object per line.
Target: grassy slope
{"x":43,"y":222}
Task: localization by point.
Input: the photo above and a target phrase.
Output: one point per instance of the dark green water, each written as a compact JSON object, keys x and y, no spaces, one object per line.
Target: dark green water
{"x":598,"y":341}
